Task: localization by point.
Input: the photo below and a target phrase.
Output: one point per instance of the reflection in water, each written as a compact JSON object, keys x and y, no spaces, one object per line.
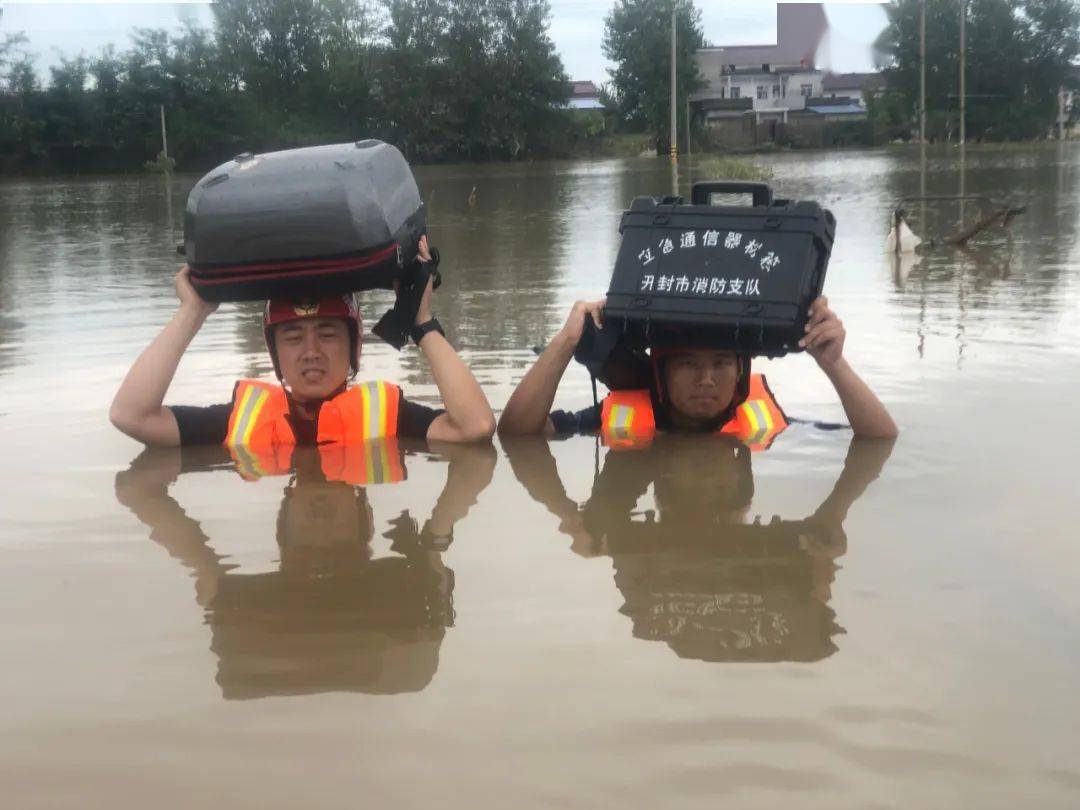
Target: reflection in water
{"x":10,"y":325}
{"x":1039,"y":179}
{"x":958,"y":291}
{"x":85,"y":282}
{"x":332,"y":617}
{"x":695,"y":572}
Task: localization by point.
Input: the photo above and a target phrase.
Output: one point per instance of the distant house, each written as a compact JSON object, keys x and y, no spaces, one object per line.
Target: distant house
{"x":840,"y":108}
{"x":855,"y":86}
{"x":776,"y":79}
{"x":584,"y":96}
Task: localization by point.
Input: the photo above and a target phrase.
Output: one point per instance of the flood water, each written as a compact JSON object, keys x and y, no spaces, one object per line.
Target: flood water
{"x":537,"y":625}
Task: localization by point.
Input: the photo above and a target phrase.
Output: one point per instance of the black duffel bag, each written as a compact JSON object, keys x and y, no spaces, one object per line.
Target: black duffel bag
{"x":306,"y":223}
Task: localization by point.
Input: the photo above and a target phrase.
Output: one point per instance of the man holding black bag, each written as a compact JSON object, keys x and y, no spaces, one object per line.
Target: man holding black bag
{"x":315,"y":347}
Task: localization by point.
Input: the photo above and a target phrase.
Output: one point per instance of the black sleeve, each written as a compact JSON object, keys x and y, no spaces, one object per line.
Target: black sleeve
{"x":202,"y":425}
{"x":587,"y":420}
{"x":413,"y":419}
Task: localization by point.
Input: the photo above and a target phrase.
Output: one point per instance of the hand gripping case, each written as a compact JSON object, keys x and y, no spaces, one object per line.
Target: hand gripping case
{"x":735,"y":277}
{"x":303,"y":222}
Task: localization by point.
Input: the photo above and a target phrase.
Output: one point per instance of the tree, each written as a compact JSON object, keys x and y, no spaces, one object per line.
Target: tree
{"x":20,"y":127}
{"x":531,"y":81}
{"x":69,"y":118}
{"x":10,"y":52}
{"x":1018,"y":53}
{"x":412,"y":78}
{"x":637,"y":38}
{"x":303,"y":61}
{"x":445,"y":79}
{"x":474,"y":79}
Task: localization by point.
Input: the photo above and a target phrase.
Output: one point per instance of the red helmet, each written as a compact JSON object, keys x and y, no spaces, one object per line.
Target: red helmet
{"x":284,"y":310}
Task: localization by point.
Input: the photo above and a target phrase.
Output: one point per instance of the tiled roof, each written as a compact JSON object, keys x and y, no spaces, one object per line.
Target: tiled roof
{"x":837,"y":109}
{"x":583,"y":90}
{"x":852,"y":81}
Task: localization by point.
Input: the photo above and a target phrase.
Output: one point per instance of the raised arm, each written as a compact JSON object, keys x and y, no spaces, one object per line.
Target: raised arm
{"x":824,"y":341}
{"x":137,"y":408}
{"x":526,"y":412}
{"x":468,"y":416}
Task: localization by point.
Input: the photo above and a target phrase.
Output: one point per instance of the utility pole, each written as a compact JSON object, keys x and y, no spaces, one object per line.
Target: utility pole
{"x":164,"y":139}
{"x":922,"y":71}
{"x":1062,"y":112}
{"x":963,"y":55}
{"x":674,"y":143}
{"x":687,"y":126}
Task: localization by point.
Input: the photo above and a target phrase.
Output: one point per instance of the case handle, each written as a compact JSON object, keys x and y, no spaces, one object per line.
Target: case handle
{"x":762,"y":192}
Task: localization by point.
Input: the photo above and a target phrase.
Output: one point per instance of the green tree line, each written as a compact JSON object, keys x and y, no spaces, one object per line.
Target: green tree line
{"x":1018,"y":54}
{"x":442,"y":79}
{"x":637,"y":38}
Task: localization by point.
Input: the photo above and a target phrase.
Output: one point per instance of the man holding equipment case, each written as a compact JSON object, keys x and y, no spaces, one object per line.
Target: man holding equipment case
{"x":696,"y":292}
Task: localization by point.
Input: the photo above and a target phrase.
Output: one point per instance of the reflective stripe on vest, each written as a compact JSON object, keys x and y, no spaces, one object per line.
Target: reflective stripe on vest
{"x":258,"y":421}
{"x":260,"y":410}
{"x":757,"y":422}
{"x":255,"y":464}
{"x":626,"y":418}
{"x":378,"y":461}
{"x":249,"y":402}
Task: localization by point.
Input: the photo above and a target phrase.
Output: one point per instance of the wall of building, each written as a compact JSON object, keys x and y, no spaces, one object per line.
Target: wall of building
{"x":732,"y":133}
{"x":808,"y":131}
{"x":769,"y":91}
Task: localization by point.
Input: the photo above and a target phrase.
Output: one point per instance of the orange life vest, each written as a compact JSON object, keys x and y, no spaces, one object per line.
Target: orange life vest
{"x":356,"y":433}
{"x":627,"y":418}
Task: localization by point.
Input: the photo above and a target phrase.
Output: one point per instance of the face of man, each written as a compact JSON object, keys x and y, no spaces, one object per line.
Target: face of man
{"x":700,"y":384}
{"x":313,"y":354}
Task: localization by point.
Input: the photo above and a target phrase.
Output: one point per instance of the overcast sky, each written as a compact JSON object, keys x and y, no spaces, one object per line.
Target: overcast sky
{"x":577,"y":28}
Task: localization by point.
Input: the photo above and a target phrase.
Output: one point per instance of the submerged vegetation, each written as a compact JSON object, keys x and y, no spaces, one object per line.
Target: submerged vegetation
{"x":724,"y":167}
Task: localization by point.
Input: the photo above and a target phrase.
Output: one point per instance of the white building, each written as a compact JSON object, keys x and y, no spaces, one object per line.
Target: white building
{"x":584,"y":96}
{"x":777,"y":79}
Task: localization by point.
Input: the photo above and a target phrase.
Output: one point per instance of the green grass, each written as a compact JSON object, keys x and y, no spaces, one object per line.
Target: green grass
{"x":725,"y":167}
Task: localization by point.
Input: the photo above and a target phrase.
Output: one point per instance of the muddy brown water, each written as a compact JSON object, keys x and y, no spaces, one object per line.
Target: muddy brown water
{"x":545,"y":625}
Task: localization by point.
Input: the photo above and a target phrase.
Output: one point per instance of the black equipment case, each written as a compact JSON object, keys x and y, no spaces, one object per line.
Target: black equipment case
{"x":303,"y":222}
{"x":737,"y":277}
